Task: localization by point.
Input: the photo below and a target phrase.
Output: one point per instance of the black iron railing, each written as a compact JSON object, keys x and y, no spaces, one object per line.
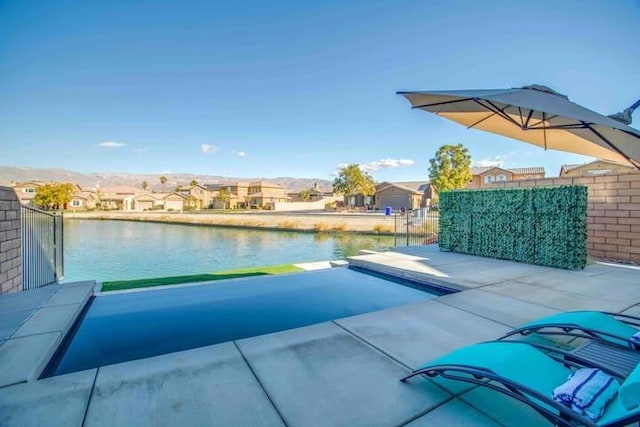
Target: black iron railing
{"x":42,"y":247}
{"x":416,"y":227}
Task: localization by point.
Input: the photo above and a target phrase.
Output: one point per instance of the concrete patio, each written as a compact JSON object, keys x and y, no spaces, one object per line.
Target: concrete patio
{"x":343,"y":372}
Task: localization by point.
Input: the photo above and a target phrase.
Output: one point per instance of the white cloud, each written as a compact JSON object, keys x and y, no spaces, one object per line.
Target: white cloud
{"x":497,"y":160}
{"x":239,"y":153}
{"x":386,"y":164}
{"x":208,"y":149}
{"x":112,"y":144}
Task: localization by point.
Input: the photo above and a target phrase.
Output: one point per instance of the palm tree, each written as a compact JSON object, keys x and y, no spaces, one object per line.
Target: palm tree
{"x":163,"y":179}
{"x":193,"y":183}
{"x":145,"y":185}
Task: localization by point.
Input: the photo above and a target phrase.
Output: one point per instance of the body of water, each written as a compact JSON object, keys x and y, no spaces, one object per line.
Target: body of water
{"x":122,"y":250}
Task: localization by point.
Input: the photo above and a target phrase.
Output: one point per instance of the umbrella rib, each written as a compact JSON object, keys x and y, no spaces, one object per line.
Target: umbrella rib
{"x":521,"y":119}
{"x":613,"y":147}
{"x":526,"y":123}
{"x":498,"y":111}
{"x":441,"y":103}
{"x":481,"y":120}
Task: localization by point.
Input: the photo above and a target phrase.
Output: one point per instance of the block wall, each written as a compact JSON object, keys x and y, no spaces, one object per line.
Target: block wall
{"x":613,"y":212}
{"x":10,"y":243}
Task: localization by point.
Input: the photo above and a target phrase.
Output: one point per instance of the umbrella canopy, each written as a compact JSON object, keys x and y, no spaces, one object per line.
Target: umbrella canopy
{"x":537,"y":115}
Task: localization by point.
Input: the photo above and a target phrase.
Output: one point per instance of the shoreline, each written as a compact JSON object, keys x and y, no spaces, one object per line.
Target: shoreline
{"x":358,"y":223}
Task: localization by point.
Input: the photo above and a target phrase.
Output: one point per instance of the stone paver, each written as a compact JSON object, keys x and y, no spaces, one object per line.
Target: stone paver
{"x":11,"y":321}
{"x":417,"y":333}
{"x":503,"y":309}
{"x":22,"y":359}
{"x":50,"y":319}
{"x":26,"y":300}
{"x":323,"y":376}
{"x":71,"y":295}
{"x":318,"y":265}
{"x":454,"y":413}
{"x":52,"y":402}
{"x":202,"y":387}
{"x":555,"y":299}
{"x":508,"y":411}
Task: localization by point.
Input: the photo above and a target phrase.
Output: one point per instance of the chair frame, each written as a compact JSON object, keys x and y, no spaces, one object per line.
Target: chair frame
{"x":484,"y":377}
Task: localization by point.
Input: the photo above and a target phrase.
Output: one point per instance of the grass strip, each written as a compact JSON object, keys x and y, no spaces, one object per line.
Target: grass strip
{"x":118,"y":285}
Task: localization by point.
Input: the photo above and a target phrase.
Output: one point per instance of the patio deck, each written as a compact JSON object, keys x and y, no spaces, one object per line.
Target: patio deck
{"x":343,"y":372}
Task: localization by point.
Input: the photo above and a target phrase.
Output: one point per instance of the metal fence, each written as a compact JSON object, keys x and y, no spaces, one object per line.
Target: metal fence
{"x":42,"y":247}
{"x":416,"y":227}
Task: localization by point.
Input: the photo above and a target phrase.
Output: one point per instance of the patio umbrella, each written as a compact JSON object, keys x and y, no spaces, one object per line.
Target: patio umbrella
{"x":540,"y":116}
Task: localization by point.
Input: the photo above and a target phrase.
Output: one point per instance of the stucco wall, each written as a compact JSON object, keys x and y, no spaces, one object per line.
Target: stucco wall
{"x":10,"y":250}
{"x":613,"y":212}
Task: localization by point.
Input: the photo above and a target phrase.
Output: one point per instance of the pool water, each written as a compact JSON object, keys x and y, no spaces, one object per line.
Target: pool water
{"x":128,"y":326}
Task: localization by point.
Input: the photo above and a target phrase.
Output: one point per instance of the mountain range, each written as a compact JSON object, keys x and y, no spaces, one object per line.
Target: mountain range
{"x":10,"y":175}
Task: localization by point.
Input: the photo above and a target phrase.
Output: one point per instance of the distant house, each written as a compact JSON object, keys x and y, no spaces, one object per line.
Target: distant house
{"x":407,"y":195}
{"x":256,"y":194}
{"x":118,"y":197}
{"x":144,"y":202}
{"x":485,"y":176}
{"x":315,"y":194}
{"x":83,"y":199}
{"x":203,"y":196}
{"x":26,"y":191}
{"x":598,"y":167}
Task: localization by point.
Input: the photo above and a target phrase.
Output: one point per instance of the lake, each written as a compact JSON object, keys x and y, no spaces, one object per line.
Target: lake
{"x":122,"y":250}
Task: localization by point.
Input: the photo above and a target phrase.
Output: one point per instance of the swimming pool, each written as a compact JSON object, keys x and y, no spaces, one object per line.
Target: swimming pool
{"x":128,"y":326}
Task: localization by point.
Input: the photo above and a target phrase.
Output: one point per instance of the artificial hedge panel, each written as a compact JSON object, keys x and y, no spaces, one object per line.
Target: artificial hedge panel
{"x":540,"y":225}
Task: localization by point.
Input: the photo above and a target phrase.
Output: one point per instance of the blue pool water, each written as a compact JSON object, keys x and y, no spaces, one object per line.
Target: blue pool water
{"x":136,"y":325}
{"x":124,"y":250}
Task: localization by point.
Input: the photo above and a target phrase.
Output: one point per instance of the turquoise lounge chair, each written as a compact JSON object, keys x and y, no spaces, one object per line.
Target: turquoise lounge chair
{"x":526,"y":373}
{"x":613,"y":328}
{"x":608,"y":335}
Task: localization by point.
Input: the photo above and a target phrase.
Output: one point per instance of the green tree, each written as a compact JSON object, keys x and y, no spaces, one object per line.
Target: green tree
{"x":450,"y":168}
{"x":145,"y":185}
{"x":163,"y":179}
{"x":54,"y":196}
{"x":193,"y":183}
{"x":305,"y":195}
{"x":352,"y":180}
{"x":224,"y":195}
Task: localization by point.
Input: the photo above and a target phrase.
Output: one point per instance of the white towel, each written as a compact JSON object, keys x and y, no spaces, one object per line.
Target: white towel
{"x":587,"y":392}
{"x":635,"y":341}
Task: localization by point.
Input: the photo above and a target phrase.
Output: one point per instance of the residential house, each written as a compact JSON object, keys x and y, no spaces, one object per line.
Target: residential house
{"x":315,"y":194}
{"x":408,"y":195}
{"x":598,"y":167}
{"x":116,"y":198}
{"x":83,"y":200}
{"x":26,"y":191}
{"x":176,"y":202}
{"x":203,"y":196}
{"x":263,"y":195}
{"x":255,"y":195}
{"x":482,"y":177}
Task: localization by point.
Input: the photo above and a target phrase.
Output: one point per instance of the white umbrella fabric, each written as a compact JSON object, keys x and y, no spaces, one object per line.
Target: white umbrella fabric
{"x":537,"y":115}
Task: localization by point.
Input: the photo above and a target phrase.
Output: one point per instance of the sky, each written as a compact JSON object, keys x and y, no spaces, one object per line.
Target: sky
{"x":292,"y":88}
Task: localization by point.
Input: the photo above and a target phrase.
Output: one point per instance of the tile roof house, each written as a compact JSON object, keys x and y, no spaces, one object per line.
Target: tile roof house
{"x":407,"y":194}
{"x":598,"y":167}
{"x":484,"y":176}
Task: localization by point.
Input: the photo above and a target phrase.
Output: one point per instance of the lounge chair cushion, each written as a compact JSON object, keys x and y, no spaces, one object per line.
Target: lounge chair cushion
{"x":630,"y":389}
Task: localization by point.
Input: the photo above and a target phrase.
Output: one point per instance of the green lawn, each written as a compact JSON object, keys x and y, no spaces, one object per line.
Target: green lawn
{"x":118,"y":285}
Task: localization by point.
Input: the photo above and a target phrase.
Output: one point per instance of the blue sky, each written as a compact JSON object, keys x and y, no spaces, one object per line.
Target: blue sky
{"x":291,"y":88}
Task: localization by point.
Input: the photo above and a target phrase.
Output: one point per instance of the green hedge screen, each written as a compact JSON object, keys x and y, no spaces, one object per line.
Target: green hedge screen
{"x":541,"y":225}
